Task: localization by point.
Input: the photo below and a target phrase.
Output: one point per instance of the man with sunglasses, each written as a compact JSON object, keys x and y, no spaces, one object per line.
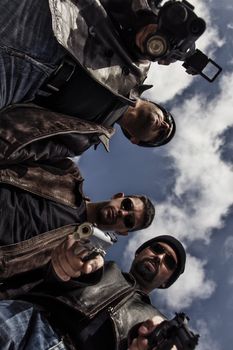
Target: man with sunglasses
{"x":41,"y":195}
{"x":107,"y":309}
{"x":157,"y":264}
{"x":147,"y":124}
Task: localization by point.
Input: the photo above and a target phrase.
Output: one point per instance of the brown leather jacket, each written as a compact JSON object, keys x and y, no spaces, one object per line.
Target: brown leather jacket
{"x":34,"y":146}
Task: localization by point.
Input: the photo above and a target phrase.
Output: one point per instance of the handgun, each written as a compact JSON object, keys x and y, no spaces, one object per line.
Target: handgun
{"x":94,"y":239}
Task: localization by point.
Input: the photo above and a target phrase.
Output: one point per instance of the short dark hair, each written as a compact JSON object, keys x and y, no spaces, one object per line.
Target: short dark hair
{"x":165,"y":136}
{"x":149,"y":211}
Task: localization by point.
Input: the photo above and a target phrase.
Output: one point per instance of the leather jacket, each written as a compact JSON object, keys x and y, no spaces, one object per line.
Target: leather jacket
{"x":34,"y":147}
{"x":115,"y":297}
{"x":87,"y":32}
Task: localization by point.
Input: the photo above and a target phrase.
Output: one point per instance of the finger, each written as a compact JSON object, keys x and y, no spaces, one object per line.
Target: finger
{"x":64,"y":262}
{"x":142,"y":343}
{"x":58,"y":268}
{"x":139,"y":344}
{"x":133,"y":345}
{"x":146,"y":328}
{"x":71,"y":263}
{"x":67,"y":263}
{"x":93,"y":264}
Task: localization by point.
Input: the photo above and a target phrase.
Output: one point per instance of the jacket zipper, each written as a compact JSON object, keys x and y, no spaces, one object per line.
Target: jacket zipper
{"x":109,"y":301}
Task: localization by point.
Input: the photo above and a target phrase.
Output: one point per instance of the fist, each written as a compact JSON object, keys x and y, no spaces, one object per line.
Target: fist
{"x":67,"y":259}
{"x":141,"y":342}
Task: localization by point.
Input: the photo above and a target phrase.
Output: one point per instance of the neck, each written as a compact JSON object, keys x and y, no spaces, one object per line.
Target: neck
{"x":143,"y":289}
{"x":138,"y":284}
{"x":126,"y":119}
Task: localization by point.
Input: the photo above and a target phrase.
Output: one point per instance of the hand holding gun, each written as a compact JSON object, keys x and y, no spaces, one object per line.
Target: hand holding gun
{"x":173,"y":332}
{"x":167,"y":335}
{"x":81,"y":252}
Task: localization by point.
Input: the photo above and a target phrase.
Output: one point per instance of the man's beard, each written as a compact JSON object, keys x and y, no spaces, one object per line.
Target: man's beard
{"x":143,"y":270}
{"x":106,"y":215}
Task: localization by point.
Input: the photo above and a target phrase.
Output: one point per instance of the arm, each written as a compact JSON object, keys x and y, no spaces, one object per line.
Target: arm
{"x":65,"y":272}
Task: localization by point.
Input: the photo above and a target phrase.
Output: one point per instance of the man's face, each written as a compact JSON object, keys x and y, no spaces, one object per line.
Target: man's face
{"x":121,"y":214}
{"x":148,"y":122}
{"x":153,"y":267}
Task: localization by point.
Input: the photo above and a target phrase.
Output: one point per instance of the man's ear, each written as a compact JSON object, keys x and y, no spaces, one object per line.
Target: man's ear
{"x":118,"y":195}
{"x":134,"y":140}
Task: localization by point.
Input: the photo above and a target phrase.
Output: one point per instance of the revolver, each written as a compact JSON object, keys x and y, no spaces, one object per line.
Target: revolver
{"x":94,"y":239}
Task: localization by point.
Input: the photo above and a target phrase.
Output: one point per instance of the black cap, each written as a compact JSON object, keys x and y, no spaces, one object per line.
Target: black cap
{"x":178,"y":249}
{"x":162,"y":141}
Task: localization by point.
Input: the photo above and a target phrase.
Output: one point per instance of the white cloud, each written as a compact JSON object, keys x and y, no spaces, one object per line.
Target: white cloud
{"x":206,"y":341}
{"x":204,"y":185}
{"x":170,"y":81}
{"x":191,"y":285}
{"x":230,"y":281}
{"x":228,"y":249}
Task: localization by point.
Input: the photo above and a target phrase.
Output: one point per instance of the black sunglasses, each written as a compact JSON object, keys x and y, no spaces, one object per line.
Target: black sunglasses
{"x":168,"y":259}
{"x":129,"y":220}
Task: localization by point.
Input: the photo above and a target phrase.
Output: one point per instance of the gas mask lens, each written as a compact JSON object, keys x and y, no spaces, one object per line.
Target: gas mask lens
{"x":156,"y":46}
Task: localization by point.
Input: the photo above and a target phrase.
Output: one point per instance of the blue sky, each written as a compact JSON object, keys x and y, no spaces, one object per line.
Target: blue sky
{"x":190,"y":180}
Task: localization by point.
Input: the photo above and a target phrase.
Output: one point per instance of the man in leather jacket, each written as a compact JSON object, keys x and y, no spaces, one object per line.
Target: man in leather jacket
{"x":41,"y":188}
{"x":96,"y":310}
{"x":70,"y":56}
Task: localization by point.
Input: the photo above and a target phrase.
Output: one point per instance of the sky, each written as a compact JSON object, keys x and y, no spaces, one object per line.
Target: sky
{"x":190,"y":180}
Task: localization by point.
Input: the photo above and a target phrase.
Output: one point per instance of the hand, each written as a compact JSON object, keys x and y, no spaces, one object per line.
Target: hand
{"x":67,"y":260}
{"x":141,"y":342}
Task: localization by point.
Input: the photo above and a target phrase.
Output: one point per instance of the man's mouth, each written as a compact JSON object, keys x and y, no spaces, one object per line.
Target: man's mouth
{"x":151,"y":266}
{"x":110,"y":216}
{"x":147,"y":269}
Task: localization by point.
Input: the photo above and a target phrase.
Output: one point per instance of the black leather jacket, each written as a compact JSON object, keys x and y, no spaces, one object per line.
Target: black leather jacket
{"x":116,"y":296}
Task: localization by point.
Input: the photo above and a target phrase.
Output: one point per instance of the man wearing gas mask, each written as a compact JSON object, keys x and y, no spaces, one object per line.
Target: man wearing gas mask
{"x":105,"y":73}
{"x":60,"y":44}
{"x":88,"y":59}
{"x":79,"y":67}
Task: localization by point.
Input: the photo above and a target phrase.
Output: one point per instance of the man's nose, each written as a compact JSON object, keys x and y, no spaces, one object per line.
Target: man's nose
{"x":160,"y":256}
{"x":158,"y":259}
{"x":122,"y":213}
